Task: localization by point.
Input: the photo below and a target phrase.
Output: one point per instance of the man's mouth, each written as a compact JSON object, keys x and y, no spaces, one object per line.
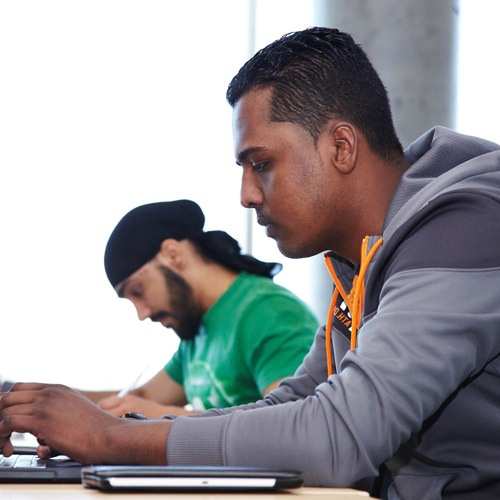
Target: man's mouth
{"x":163,"y":318}
{"x":269,"y":225}
{"x":262,"y":220}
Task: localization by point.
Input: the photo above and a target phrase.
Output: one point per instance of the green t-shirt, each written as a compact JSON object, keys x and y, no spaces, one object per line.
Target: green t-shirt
{"x":256,"y":333}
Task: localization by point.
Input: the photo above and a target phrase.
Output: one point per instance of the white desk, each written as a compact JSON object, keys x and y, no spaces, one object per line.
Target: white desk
{"x":77,"y":492}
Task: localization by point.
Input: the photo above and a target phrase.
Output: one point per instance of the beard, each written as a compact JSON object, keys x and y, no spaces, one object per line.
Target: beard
{"x":182,"y":305}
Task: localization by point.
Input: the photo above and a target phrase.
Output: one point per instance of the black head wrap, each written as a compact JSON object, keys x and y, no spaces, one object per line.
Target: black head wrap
{"x":138,"y":237}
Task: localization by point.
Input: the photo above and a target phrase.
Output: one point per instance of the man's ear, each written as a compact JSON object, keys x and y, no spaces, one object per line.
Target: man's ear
{"x":171,"y":254}
{"x":344,"y":143}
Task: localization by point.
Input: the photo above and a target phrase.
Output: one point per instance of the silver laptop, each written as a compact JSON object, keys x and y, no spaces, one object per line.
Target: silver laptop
{"x":172,"y":478}
{"x":26,"y":468}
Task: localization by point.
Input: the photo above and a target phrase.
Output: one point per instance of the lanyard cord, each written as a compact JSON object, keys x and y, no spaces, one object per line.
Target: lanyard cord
{"x":354,"y":301}
{"x":329,"y":331}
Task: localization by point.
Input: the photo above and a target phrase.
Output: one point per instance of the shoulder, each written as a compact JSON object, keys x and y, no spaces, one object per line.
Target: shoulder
{"x":259,"y":286}
{"x":458,"y":229}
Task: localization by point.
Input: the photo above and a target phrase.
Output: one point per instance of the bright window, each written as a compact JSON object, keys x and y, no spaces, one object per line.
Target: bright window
{"x":105,"y":105}
{"x":478,"y":106}
{"x":108,"y":104}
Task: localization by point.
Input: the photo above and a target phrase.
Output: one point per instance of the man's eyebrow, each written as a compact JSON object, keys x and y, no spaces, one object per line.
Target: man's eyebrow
{"x":121,"y":289}
{"x":243,"y":155}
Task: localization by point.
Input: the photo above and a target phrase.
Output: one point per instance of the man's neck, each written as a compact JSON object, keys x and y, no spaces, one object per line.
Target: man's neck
{"x":214,"y":282}
{"x":374,"y":194}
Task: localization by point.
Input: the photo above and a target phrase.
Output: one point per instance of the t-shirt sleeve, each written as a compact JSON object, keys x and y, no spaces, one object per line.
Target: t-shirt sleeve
{"x":174,"y":367}
{"x":278,"y":332}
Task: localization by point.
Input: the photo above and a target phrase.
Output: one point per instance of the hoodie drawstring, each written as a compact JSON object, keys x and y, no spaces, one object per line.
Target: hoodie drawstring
{"x":354,"y":301}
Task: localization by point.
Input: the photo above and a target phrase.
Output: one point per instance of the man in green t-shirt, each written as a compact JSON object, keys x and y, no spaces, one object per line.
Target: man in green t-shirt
{"x":240,"y":332}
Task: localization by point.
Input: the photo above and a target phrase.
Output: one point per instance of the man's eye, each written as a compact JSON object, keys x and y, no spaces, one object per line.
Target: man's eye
{"x":259,"y":167}
{"x":136,"y":292}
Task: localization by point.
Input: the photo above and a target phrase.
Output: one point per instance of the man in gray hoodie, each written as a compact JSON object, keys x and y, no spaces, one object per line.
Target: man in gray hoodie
{"x":405,"y":401}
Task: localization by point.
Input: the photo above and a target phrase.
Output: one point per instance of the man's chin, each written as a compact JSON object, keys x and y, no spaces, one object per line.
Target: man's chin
{"x":186,"y":336}
{"x":292,"y":251}
{"x":187,"y":333}
{"x":285,"y":242}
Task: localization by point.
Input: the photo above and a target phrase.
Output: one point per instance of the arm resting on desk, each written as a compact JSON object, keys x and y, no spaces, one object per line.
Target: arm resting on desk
{"x":66,"y":421}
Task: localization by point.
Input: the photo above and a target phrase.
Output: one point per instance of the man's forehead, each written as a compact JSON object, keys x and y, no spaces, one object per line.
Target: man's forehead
{"x":255,"y":104}
{"x":251,"y":120}
{"x":254,"y":130}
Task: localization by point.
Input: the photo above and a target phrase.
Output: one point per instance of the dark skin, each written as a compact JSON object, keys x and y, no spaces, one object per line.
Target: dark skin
{"x":344,"y":191}
{"x":68,"y":422}
{"x":344,"y":188}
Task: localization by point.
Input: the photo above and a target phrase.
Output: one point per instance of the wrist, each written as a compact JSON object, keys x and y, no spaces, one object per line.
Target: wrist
{"x":137,"y":441}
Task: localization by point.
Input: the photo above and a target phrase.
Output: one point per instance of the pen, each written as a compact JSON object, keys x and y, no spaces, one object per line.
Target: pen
{"x":131,"y":387}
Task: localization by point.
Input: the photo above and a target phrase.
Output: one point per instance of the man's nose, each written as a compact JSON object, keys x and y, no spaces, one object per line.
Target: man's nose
{"x":143,"y":312}
{"x":251,"y":195}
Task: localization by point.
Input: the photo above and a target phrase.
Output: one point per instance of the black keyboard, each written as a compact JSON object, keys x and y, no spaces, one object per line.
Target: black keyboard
{"x":29,"y":468}
{"x":24,"y":461}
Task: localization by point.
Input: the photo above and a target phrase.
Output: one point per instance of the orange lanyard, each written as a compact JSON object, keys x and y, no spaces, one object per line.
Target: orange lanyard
{"x":354,"y":301}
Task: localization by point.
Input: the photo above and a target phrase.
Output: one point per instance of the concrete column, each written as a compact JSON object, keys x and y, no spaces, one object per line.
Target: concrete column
{"x":412,"y":45}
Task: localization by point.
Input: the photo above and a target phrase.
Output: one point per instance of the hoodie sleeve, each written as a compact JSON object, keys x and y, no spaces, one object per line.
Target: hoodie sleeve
{"x":435,"y":328}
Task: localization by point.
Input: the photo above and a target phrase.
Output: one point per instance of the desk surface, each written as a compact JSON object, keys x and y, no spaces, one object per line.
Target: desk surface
{"x":77,"y":492}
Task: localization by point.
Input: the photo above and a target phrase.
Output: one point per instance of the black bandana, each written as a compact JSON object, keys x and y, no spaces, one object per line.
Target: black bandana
{"x":138,"y":237}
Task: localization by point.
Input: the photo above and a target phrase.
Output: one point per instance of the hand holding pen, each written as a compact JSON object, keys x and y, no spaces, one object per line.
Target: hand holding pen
{"x":132,"y":385}
{"x":125,"y":402}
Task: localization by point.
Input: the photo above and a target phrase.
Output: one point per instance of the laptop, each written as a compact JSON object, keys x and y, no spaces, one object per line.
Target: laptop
{"x":24,"y":468}
{"x":28,"y":468}
{"x":199,"y":478}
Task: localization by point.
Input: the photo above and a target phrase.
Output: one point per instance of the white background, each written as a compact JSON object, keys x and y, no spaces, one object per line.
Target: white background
{"x":108,"y":104}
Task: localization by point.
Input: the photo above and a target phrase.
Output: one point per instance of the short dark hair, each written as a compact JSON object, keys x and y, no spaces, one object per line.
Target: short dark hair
{"x":318,"y":74}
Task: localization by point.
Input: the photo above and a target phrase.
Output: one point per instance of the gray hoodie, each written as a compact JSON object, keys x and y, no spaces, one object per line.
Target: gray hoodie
{"x":417,"y":403}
